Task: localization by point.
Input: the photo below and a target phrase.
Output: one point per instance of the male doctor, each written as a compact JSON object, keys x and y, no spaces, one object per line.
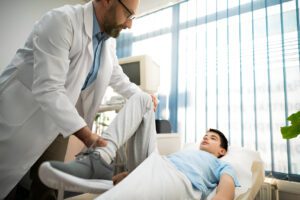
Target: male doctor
{"x":55,"y":83}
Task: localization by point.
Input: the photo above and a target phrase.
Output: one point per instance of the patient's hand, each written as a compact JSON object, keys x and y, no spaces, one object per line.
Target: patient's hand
{"x":119,"y":177}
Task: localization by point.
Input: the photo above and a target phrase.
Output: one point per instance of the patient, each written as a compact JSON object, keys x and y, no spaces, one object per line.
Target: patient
{"x":187,"y":174}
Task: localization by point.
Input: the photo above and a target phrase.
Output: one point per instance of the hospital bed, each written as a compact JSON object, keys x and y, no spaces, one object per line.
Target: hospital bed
{"x":250,"y":172}
{"x":247,"y":164}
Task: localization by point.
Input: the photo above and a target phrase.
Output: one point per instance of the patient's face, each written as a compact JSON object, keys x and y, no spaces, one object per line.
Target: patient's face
{"x":211,"y":143}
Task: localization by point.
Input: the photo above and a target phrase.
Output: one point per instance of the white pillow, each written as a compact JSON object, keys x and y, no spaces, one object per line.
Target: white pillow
{"x":247,"y":165}
{"x":241,"y":160}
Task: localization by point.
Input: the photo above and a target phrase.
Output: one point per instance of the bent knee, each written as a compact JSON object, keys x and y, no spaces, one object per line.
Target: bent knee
{"x":144,"y":98}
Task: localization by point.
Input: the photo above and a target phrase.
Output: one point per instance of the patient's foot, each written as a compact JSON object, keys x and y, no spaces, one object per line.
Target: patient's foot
{"x":88,"y":165}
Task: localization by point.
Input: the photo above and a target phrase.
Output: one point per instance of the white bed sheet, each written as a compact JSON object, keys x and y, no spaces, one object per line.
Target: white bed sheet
{"x":249,"y":169}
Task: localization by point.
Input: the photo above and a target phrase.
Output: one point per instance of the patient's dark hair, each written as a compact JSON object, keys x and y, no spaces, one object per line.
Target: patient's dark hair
{"x":224,"y":141}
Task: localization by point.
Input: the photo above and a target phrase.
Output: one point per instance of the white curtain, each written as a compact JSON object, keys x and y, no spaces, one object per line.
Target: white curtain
{"x":231,"y":65}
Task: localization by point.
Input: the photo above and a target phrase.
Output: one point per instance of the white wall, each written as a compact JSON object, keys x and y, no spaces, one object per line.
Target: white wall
{"x":16,"y":21}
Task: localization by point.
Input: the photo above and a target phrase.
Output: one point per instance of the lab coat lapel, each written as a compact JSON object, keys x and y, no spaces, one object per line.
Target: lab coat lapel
{"x":84,"y":102}
{"x":102,"y":80}
{"x":88,"y":24}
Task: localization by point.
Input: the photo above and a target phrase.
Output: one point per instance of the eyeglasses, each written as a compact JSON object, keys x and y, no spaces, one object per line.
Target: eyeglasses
{"x":131,"y":14}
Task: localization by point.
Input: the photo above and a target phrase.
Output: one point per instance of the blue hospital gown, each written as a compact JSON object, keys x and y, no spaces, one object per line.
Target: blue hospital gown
{"x":203,"y":169}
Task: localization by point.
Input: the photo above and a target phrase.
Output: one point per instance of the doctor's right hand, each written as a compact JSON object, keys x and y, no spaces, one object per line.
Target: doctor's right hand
{"x":89,"y":138}
{"x":96,"y":141}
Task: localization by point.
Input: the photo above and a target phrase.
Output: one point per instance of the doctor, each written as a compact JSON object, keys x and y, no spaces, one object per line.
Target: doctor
{"x":55,"y":83}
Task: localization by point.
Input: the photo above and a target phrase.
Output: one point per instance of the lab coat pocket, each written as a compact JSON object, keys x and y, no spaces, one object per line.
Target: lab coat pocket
{"x":16,"y":104}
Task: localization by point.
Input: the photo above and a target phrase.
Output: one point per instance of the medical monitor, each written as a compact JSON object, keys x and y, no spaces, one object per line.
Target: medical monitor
{"x":142,"y":71}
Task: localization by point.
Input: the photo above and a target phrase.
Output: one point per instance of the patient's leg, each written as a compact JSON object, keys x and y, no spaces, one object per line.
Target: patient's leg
{"x":135,"y":120}
{"x":135,"y":123}
{"x":143,"y":142}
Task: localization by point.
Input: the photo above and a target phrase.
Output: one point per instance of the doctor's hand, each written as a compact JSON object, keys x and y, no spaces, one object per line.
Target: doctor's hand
{"x":155,"y":101}
{"x":89,"y":139}
{"x":97,"y":141}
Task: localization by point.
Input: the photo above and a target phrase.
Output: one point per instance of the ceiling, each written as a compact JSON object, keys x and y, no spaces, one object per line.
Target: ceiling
{"x":148,"y":6}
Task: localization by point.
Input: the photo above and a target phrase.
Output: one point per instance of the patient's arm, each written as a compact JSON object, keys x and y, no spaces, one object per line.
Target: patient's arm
{"x":225,"y":189}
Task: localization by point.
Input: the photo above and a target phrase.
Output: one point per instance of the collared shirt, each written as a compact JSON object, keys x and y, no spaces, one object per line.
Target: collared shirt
{"x":203,"y":169}
{"x":98,"y":39}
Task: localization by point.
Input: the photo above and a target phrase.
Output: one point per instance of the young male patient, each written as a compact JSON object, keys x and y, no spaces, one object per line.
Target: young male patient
{"x":187,"y":174}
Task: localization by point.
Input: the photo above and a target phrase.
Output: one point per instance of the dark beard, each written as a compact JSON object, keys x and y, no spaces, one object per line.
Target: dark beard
{"x":111,"y":28}
{"x":114,"y":31}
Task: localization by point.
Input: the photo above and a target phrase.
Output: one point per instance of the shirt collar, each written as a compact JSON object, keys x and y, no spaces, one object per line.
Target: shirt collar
{"x":96,"y":29}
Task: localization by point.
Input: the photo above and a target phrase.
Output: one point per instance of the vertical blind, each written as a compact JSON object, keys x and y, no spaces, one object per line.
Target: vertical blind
{"x":227,"y":64}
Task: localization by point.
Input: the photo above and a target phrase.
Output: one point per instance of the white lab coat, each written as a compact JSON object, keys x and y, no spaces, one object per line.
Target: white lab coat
{"x":42,"y":84}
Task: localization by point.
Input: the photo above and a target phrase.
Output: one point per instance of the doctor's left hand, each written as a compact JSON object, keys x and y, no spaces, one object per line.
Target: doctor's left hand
{"x":89,"y":138}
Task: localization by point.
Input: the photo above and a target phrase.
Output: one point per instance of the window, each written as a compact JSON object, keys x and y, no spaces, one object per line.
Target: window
{"x":231,"y":65}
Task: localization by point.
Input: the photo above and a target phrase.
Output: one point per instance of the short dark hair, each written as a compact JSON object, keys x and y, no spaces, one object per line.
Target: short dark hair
{"x":224,"y":141}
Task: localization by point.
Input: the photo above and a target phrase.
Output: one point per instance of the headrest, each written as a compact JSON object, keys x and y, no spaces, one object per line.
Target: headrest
{"x":242,"y":159}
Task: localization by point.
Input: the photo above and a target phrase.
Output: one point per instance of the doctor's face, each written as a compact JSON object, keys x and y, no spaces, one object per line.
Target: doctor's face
{"x":119,"y":16}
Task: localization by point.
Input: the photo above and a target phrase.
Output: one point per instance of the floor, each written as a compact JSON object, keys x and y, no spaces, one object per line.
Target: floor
{"x":83,"y":197}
